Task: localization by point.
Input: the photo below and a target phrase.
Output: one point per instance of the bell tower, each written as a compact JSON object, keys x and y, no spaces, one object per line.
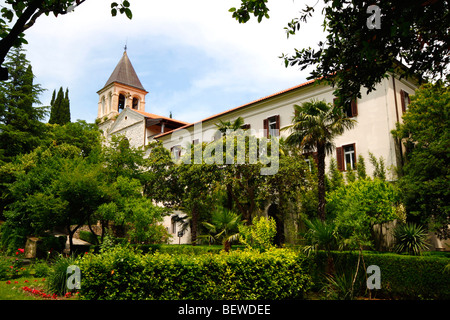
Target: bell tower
{"x":122,"y":90}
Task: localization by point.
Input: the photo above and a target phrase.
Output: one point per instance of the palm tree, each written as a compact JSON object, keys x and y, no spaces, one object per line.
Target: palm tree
{"x":223,"y":126}
{"x":314,"y":126}
{"x":224,"y":226}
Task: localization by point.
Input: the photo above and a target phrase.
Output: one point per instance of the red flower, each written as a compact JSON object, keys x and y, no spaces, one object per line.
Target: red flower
{"x":8,"y":282}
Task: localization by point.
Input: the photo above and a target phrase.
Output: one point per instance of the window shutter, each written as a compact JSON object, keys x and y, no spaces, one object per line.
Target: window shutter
{"x":354,"y":108}
{"x":340,"y":158}
{"x":266,"y":128}
{"x":277,"y":122}
{"x":402,"y":99}
{"x":245,"y":126}
{"x":354,"y":150}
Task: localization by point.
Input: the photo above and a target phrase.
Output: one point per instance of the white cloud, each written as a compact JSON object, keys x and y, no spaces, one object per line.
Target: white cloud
{"x":206,"y":52}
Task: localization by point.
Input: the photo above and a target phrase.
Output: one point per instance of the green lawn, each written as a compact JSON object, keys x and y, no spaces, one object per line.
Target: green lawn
{"x":14,"y":291}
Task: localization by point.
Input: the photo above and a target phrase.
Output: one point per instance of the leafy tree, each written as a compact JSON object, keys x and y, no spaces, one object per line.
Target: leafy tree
{"x":51,"y":187}
{"x":60,"y":108}
{"x":85,"y":136}
{"x":314,"y":126}
{"x":197,"y":183}
{"x":23,"y":15}
{"x":424,"y":184}
{"x":357,"y":206}
{"x":81,"y":187}
{"x":354,"y":55}
{"x":121,"y":159}
{"x":160,"y":179}
{"x":136,"y":213}
{"x":21,"y":129}
{"x":285,"y":193}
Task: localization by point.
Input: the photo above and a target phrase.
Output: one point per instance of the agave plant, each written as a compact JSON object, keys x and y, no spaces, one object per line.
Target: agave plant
{"x":56,"y":280}
{"x":339,"y":286}
{"x":410,"y":238}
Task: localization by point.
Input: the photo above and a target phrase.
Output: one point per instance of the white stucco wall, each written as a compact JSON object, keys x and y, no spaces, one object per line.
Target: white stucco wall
{"x":375,"y":120}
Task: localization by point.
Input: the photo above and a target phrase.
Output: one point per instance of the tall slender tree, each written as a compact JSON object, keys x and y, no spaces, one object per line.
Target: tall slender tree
{"x":314,"y":126}
{"x":21,"y":129}
{"x":60,"y":108}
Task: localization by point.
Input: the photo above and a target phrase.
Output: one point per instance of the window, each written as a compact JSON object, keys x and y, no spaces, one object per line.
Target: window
{"x":272,"y":126}
{"x":176,"y":152}
{"x":109,"y":102}
{"x":121,"y":105}
{"x":135,"y":103}
{"x":307,"y":156}
{"x":350,"y":109}
{"x":349,"y":157}
{"x":103,"y":106}
{"x":405,"y":100}
{"x":346,"y":157}
{"x":174,"y":226}
{"x":245,"y":126}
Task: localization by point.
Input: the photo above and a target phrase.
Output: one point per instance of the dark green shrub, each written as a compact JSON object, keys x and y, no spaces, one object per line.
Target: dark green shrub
{"x":402,"y":276}
{"x":122,"y":273}
{"x":51,"y":244}
{"x":41,"y":269}
{"x":4,"y":267}
{"x":87,"y":236}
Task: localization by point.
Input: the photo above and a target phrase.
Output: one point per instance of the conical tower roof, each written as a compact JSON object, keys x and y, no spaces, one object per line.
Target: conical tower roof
{"x":124,"y":73}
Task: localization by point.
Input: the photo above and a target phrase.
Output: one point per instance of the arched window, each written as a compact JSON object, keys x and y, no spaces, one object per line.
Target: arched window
{"x":110,"y":101}
{"x":121,"y":102}
{"x":103,"y":105}
{"x":135,"y":103}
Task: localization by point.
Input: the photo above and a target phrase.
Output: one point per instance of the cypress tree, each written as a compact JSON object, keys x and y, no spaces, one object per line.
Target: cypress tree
{"x":66,"y":114}
{"x":60,"y":108}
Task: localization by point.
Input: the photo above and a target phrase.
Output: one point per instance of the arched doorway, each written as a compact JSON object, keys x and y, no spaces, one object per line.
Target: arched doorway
{"x":274,"y":212}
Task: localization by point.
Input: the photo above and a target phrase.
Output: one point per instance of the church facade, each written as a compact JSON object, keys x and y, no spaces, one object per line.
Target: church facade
{"x":122,"y":110}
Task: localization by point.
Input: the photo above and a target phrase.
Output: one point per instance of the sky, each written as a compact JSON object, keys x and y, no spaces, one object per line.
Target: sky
{"x":192,"y":57}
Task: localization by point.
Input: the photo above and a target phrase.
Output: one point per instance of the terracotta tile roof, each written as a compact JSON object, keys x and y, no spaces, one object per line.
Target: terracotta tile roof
{"x":304,"y":84}
{"x":124,"y":73}
{"x":155,"y":116}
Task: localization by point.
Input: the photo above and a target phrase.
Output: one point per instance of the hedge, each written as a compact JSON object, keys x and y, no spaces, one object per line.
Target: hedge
{"x":175,"y":249}
{"x":402,"y":276}
{"x":122,"y":273}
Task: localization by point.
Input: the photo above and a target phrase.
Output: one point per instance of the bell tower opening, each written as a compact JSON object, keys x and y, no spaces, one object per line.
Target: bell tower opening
{"x":135,"y":103}
{"x":121,"y":104}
